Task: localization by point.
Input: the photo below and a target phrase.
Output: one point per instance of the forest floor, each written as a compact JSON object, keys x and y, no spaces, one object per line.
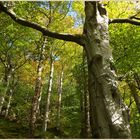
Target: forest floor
{"x":12,"y":129}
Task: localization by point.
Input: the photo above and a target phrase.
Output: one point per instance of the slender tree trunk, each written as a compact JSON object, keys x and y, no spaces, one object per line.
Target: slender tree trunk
{"x":47,"y":107}
{"x":137,"y":79}
{"x":85,"y":123}
{"x":134,"y":92}
{"x":87,"y":117}
{"x":109,"y":117}
{"x":10,"y":92}
{"x":2,"y":99}
{"x":82,"y":132}
{"x":9,"y":102}
{"x":60,"y":85}
{"x":38,"y":90}
{"x":6,"y":83}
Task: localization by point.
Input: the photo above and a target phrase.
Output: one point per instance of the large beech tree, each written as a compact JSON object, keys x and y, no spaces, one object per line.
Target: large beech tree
{"x":108,"y":113}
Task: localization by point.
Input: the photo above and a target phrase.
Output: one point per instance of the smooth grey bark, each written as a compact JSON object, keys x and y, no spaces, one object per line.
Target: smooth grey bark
{"x":49,"y":91}
{"x":109,"y":118}
{"x":60,"y":86}
{"x":38,"y":89}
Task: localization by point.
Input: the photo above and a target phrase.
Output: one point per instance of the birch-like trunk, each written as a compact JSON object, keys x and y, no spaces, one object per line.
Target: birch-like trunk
{"x":2,"y":99}
{"x":9,"y":102}
{"x":6,"y":83}
{"x":109,"y":117}
{"x":60,"y":86}
{"x":38,"y":90}
{"x":10,"y":91}
{"x":49,"y":91}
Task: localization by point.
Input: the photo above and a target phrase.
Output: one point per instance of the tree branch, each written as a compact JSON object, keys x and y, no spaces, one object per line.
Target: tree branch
{"x":135,"y":18}
{"x":124,"y":20}
{"x":67,"y":37}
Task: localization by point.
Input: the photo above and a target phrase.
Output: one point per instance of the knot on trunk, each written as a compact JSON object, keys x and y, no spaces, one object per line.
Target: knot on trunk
{"x":102,"y":9}
{"x":96,"y":61}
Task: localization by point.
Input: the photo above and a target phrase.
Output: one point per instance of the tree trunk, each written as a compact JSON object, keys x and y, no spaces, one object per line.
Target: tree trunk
{"x":38,"y":90}
{"x":2,"y":99}
{"x":85,"y":123}
{"x":134,"y":93}
{"x":6,"y":82}
{"x":109,"y":118}
{"x":60,"y":85}
{"x":10,"y":91}
{"x":9,"y":102}
{"x":47,"y":107}
{"x":137,"y":79}
{"x":85,"y":120}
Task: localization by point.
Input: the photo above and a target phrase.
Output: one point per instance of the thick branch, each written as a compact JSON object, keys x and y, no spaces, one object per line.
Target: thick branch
{"x":73,"y":38}
{"x":125,"y":20}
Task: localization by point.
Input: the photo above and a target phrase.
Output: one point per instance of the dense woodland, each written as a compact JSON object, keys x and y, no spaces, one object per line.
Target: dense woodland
{"x":58,"y":78}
